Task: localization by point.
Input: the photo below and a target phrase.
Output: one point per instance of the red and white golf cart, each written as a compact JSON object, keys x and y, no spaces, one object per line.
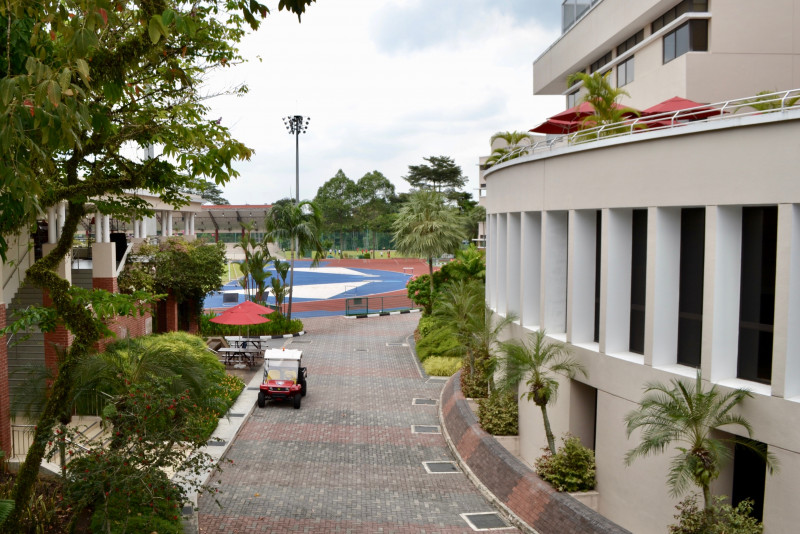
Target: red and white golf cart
{"x":284,"y":377}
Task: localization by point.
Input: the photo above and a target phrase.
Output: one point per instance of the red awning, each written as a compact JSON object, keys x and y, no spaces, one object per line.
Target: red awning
{"x":682,"y":109}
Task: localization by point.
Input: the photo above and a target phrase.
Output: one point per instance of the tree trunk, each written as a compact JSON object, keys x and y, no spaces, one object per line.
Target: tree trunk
{"x":707,"y":500}
{"x":551,"y":440}
{"x":291,"y":281}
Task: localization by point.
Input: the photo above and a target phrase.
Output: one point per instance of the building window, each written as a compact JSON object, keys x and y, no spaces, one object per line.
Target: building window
{"x":692,"y":36}
{"x":572,"y":99}
{"x":625,"y":72}
{"x":638,"y":279}
{"x":757,"y":293}
{"x":690,"y":292}
{"x":630,"y":42}
{"x":572,"y":10}
{"x":600,"y":62}
{"x":749,"y":476}
{"x":687,"y":6}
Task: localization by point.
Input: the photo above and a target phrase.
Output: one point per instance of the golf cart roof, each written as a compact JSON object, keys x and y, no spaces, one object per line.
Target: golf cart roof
{"x":283,"y":354}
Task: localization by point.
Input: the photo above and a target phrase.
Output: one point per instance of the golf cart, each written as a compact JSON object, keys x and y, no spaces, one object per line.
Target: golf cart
{"x":284,"y":378}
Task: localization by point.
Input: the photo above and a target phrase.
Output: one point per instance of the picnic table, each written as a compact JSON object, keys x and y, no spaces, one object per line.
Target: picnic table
{"x":243,"y":355}
{"x":243,"y":341}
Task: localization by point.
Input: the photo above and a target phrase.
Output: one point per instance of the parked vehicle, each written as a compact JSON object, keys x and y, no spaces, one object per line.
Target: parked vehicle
{"x":284,"y":377}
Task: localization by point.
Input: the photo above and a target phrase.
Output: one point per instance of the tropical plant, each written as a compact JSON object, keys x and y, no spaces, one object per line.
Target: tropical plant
{"x":605,"y":100}
{"x":571,"y":469}
{"x":512,"y":149}
{"x":686,"y":414}
{"x":300,"y":224}
{"x":721,"y":518}
{"x":768,"y":100}
{"x":498,"y":414}
{"x":426,"y":227}
{"x":441,"y":365}
{"x":538,"y":363}
{"x":278,"y":282}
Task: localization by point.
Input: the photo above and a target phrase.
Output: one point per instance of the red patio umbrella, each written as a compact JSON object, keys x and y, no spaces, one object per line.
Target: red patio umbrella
{"x":251,"y":306}
{"x":583,"y":110}
{"x":553,"y":126}
{"x":682,"y":109}
{"x":243,"y":314}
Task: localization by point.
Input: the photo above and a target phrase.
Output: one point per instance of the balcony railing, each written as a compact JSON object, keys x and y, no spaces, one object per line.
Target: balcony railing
{"x":762,"y":104}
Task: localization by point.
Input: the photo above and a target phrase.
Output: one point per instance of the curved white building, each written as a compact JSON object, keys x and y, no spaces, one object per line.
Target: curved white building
{"x":663,"y":252}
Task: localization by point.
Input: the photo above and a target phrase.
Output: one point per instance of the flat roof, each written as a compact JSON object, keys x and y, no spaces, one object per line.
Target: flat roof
{"x":282,"y":354}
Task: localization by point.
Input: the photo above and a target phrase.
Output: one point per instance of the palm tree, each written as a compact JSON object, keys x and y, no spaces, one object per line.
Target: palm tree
{"x":426,"y":227}
{"x":685,"y":413}
{"x":299,"y":223}
{"x":604,"y":99}
{"x":515,"y":141}
{"x":539,"y":361}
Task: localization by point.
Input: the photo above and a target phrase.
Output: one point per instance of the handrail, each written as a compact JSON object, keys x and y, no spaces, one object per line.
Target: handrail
{"x":123,"y":259}
{"x":16,"y":266}
{"x":778,"y":101}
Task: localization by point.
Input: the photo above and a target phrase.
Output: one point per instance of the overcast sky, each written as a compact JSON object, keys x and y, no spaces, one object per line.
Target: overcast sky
{"x":386,"y":83}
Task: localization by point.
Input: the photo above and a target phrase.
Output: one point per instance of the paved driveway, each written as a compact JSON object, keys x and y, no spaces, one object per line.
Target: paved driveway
{"x":347,"y":461}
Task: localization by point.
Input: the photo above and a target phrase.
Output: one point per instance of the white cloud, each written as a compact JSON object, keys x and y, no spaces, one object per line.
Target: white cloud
{"x":385,"y":84}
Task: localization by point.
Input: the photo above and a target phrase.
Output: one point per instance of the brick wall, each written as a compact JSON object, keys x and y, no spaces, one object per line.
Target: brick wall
{"x":109,"y":284}
{"x":5,"y":416}
{"x":513,"y":483}
{"x":171,"y":314}
{"x":125,"y":327}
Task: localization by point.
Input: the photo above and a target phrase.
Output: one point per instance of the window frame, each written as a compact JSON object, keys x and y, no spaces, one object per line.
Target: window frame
{"x":629,"y":68}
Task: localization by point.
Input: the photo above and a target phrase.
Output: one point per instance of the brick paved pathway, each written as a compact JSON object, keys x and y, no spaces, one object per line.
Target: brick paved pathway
{"x":347,"y":461}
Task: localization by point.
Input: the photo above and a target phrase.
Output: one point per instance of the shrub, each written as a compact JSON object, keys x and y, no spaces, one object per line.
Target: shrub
{"x":719,"y":519}
{"x":439,"y":342}
{"x":427,"y":324}
{"x":475,"y":385}
{"x":499,"y":414}
{"x":572,"y":468}
{"x":441,"y":365}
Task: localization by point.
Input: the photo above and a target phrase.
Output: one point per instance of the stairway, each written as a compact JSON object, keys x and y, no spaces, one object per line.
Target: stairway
{"x":82,"y":278}
{"x":25,"y":356}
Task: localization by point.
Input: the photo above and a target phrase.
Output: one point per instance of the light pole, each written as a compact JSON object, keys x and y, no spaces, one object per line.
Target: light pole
{"x":296,"y":125}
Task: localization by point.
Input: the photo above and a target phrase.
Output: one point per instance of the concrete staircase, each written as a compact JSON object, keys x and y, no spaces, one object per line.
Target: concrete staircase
{"x":82,"y":278}
{"x":25,"y":356}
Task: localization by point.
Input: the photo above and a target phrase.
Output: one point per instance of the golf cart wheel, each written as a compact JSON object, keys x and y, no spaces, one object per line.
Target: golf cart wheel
{"x":303,"y":387}
{"x":262,"y":399}
{"x":297,"y":400}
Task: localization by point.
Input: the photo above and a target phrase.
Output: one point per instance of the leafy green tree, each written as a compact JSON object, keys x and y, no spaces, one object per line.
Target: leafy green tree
{"x":337,"y":200}
{"x":210,"y":192}
{"x":426,"y":227}
{"x":279,"y":287}
{"x":375,"y":194}
{"x":300,"y":224}
{"x":538,"y":362}
{"x":440,"y":174}
{"x":604,"y":99}
{"x":79,"y":83}
{"x":686,"y":414}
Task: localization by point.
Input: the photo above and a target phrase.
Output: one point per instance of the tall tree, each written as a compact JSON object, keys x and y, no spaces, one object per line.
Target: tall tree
{"x":686,"y":414}
{"x":210,"y":192}
{"x":300,"y":224}
{"x":538,"y":362}
{"x":81,"y":82}
{"x":427,"y":227}
{"x":337,"y":201}
{"x":441,"y":174}
{"x":375,"y":195}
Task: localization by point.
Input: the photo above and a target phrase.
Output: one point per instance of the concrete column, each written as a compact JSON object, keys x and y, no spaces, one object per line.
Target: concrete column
{"x":514,"y":268}
{"x":169,"y":223}
{"x":531,"y":269}
{"x":722,"y":275}
{"x":62,"y":217}
{"x":502,"y":264}
{"x":143,"y":228}
{"x":581,"y":278}
{"x":64,"y":269}
{"x":786,"y":338}
{"x":104,"y":266}
{"x":192,"y":221}
{"x":98,"y":227}
{"x":163,"y":224}
{"x":553,"y":306}
{"x":106,"y":228}
{"x":52,"y":230}
{"x":663,"y":286}
{"x":615,"y":281}
{"x":491,"y":261}
{"x":136,"y":226}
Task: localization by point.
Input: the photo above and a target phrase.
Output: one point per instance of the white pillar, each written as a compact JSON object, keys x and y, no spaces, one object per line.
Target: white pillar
{"x":62,"y":217}
{"x":581,"y":281}
{"x":663,"y":286}
{"x":491,"y":261}
{"x":135,"y":223}
{"x":553,"y":306}
{"x":169,"y":223}
{"x":164,"y":224}
{"x":106,"y":228}
{"x":531,"y":268}
{"x":786,"y":338}
{"x":722,"y":279}
{"x":143,"y":228}
{"x":615,"y":281}
{"x":52,"y":233}
{"x":502,"y":264}
{"x":98,"y":227}
{"x":513,"y":270}
{"x":192,"y":220}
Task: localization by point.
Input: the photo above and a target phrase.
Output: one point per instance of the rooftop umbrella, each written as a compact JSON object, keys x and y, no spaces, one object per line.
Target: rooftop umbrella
{"x":554,"y":126}
{"x":682,"y":109}
{"x":249,"y":306}
{"x":583,"y":110}
{"x":246,"y":313}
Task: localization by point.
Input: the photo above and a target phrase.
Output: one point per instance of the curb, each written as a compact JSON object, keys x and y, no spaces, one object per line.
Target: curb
{"x":381,"y":314}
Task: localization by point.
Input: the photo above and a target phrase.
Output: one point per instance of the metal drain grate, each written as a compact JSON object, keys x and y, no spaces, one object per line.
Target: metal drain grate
{"x":485,"y":521}
{"x":424,"y":402}
{"x":359,"y":350}
{"x":426,"y":429}
{"x":440,"y":468}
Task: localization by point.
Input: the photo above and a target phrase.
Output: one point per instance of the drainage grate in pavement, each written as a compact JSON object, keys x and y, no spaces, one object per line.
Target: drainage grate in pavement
{"x":253,"y":389}
{"x":485,"y":521}
{"x":437,"y":468}
{"x":359,"y":350}
{"x":423,"y":402}
{"x":397,"y":344}
{"x":216,"y":443}
{"x":187,"y":510}
{"x":425,"y":429}
{"x":235,"y":415}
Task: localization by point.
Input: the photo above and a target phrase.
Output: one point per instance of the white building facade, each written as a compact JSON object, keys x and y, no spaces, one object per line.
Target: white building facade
{"x":662,"y":253}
